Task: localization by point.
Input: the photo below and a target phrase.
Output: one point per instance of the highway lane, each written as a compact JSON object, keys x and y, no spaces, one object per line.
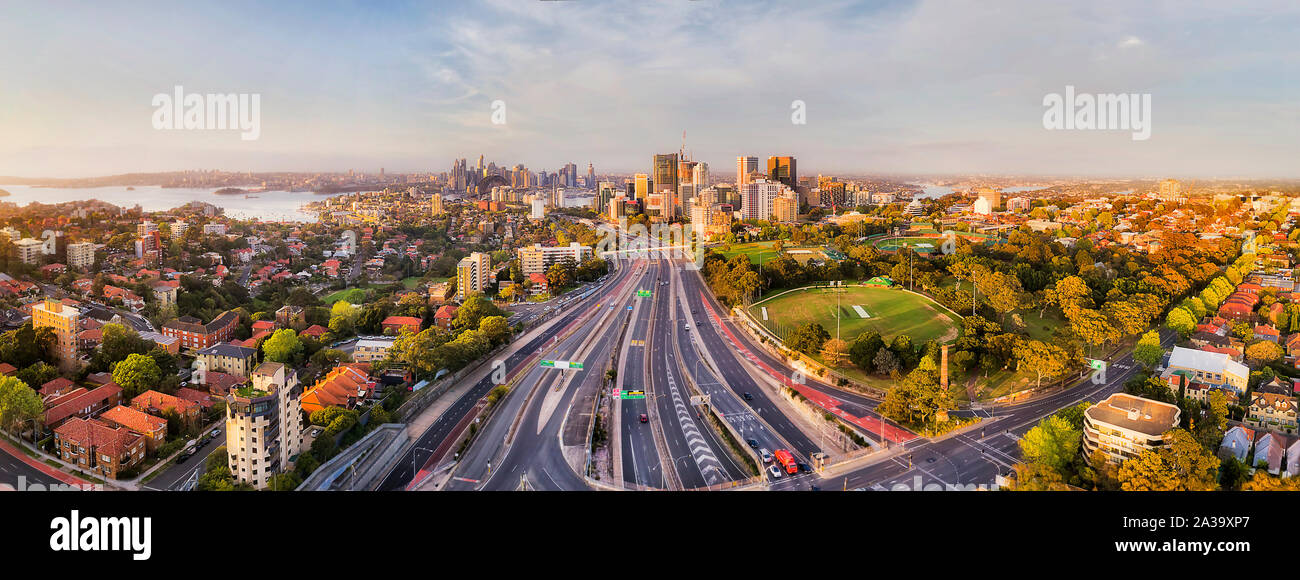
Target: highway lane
{"x":698,"y":455}
{"x":734,"y":374}
{"x":414,"y":458}
{"x":638,"y":452}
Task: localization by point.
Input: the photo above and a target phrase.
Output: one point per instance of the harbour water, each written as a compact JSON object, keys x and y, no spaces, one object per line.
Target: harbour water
{"x":263,"y":205}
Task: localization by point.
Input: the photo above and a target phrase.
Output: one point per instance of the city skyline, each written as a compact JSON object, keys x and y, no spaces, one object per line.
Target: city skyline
{"x":889,"y":88}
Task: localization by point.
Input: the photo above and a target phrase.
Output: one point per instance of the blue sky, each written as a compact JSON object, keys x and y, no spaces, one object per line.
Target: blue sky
{"x":890,"y":87}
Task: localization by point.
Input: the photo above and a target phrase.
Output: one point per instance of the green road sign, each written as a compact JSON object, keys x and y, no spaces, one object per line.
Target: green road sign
{"x":633,"y":395}
{"x":643,"y":293}
{"x":562,"y":364}
{"x":1096,"y":364}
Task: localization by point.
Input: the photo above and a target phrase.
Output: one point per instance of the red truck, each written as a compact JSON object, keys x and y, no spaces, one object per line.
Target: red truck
{"x":787,"y":461}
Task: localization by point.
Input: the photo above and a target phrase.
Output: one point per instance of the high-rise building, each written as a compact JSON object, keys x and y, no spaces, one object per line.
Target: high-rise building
{"x":435,"y":203}
{"x":264,"y":424}
{"x":665,"y":173}
{"x":783,"y":169}
{"x":591,"y":176}
{"x":604,"y":194}
{"x":538,"y":208}
{"x":757,"y":197}
{"x":641,"y":186}
{"x":745,"y":167}
{"x":1171,"y":190}
{"x":989,"y":201}
{"x":81,"y":255}
{"x":178,"y":228}
{"x":785,"y":208}
{"x":472,"y":274}
{"x":700,"y":176}
{"x":64,"y":321}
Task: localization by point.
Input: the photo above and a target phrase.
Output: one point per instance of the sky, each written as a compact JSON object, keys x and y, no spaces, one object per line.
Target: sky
{"x":891,"y":87}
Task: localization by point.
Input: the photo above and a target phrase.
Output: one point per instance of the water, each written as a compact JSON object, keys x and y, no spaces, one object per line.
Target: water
{"x":266,"y":206}
{"x":934,"y":191}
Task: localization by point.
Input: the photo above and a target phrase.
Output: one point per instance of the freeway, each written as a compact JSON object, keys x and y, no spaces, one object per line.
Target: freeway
{"x":535,"y":409}
{"x":698,"y":455}
{"x":638,"y":452}
{"x":417,"y":459}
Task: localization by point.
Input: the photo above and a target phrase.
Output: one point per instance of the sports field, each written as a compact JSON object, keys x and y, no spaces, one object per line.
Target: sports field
{"x":918,"y":243}
{"x":890,"y":312}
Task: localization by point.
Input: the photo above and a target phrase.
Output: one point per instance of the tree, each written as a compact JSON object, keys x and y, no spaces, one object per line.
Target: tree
{"x":1042,"y":359}
{"x":1181,"y":320}
{"x":1263,"y":352}
{"x":19,"y":404}
{"x":1038,"y":477}
{"x":885,"y":362}
{"x":1182,"y":464}
{"x":1054,"y":442}
{"x":864,"y":348}
{"x":835,"y":352}
{"x":494,"y":328}
{"x":1148,"y":350}
{"x":136,"y":374}
{"x":807,"y":338}
{"x":283,"y":346}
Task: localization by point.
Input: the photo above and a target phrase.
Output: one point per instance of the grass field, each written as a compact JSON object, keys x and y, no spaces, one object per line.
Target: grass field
{"x":896,"y":243}
{"x":351,"y":295}
{"x":755,"y":251}
{"x":890,"y":313}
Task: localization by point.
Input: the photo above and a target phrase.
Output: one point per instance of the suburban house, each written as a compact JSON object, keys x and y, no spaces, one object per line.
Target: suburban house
{"x":1272,"y":411}
{"x":1269,"y":449}
{"x":1237,"y":442}
{"x":400,"y":324}
{"x":445,"y":315}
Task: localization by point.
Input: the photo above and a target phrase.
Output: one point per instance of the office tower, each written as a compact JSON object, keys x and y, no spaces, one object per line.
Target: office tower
{"x":782,"y":169}
{"x":63,"y":320}
{"x":480,"y":164}
{"x":435,"y":205}
{"x":745,"y":167}
{"x":642,"y":186}
{"x":591,"y":176}
{"x":617,"y":208}
{"x":264,"y":424}
{"x":989,"y":201}
{"x":665,"y":173}
{"x":81,"y":255}
{"x":538,"y":209}
{"x":604,"y":193}
{"x":472,"y":274}
{"x":700,"y":176}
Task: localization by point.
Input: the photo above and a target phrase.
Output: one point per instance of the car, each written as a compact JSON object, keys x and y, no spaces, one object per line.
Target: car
{"x":765,"y":454}
{"x":645,"y":418}
{"x":214,"y":433}
{"x":185,"y":455}
{"x":748,"y":397}
{"x":804,"y":468}
{"x":774,"y":471}
{"x":753,"y":443}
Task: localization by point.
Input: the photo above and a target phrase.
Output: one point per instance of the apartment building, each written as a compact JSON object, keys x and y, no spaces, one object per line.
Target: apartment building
{"x":229,"y":358}
{"x":1273,"y":411}
{"x":536,"y":259}
{"x":193,"y":334}
{"x":1122,"y":426}
{"x":96,"y":446}
{"x":29,"y":250}
{"x":81,"y":255}
{"x":372,"y":349}
{"x":153,"y":428}
{"x":264,"y":424}
{"x":64,"y":321}
{"x":472,"y":274}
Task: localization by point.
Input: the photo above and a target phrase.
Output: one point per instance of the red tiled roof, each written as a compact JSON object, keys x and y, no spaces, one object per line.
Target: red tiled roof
{"x":204,"y":399}
{"x":133,"y":419}
{"x":65,"y":407}
{"x":446,"y":311}
{"x":315,"y":330}
{"x":339,"y":388}
{"x":152,"y":399}
{"x":91,"y":433}
{"x":57,"y":386}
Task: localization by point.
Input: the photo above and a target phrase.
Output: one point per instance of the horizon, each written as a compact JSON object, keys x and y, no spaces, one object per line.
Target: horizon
{"x":893,"y":88}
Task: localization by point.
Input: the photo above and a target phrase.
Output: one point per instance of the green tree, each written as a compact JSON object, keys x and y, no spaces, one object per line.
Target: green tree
{"x":19,"y":404}
{"x":283,"y":346}
{"x":1182,"y":464}
{"x":1054,"y":442}
{"x":1148,"y":350}
{"x":136,"y":374}
{"x":807,"y":338}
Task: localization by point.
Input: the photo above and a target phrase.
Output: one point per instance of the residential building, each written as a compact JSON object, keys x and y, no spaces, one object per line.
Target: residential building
{"x":227,"y":357}
{"x":400,"y":324}
{"x":472,"y":274}
{"x":1272,"y":411}
{"x":291,"y":317}
{"x":95,"y":446}
{"x":29,"y":250}
{"x":1122,"y":426}
{"x":1210,"y":368}
{"x":156,"y":403}
{"x":372,"y":349}
{"x":64,"y":320}
{"x":264,"y":425}
{"x":1269,"y":451}
{"x":1237,"y":442}
{"x":81,"y":255}
{"x":153,"y":428}
{"x":538,"y":258}
{"x":344,"y":386}
{"x":81,"y":403}
{"x":757,"y":197}
{"x":785,"y":208}
{"x":195,"y":335}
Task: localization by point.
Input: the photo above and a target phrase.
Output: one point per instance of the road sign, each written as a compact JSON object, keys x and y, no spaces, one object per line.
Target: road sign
{"x":562,"y":364}
{"x":1096,"y":363}
{"x":633,"y":395}
{"x":643,"y":293}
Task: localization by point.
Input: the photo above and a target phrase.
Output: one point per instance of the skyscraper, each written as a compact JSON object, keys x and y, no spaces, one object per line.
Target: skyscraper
{"x":641,"y":186}
{"x":264,"y":424}
{"x":745,"y":166}
{"x":472,"y":274}
{"x":783,"y":169}
{"x":665,"y":173}
{"x":757,"y":197}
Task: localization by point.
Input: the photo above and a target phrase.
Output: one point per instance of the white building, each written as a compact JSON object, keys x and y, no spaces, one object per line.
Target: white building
{"x":81,"y":255}
{"x":537,"y":258}
{"x":264,"y":424}
{"x":757,"y":196}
